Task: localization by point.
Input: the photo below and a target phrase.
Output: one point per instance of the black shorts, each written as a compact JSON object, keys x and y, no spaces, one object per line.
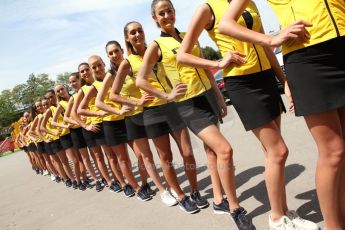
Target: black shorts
{"x":162,"y":119}
{"x":40,"y":147}
{"x":94,"y":139}
{"x":199,"y":112}
{"x":115,"y":132}
{"x":316,"y":77}
{"x":135,"y":127}
{"x":32,"y":147}
{"x":48,"y":148}
{"x":78,"y":138}
{"x":56,"y":146}
{"x":66,"y":141}
{"x":255,"y":97}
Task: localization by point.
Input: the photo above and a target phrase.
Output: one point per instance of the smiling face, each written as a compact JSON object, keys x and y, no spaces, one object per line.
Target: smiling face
{"x":85,"y":73}
{"x":135,"y":35}
{"x":97,"y":67}
{"x":45,"y":104}
{"x":26,"y":116}
{"x":114,"y":53}
{"x":51,"y":98}
{"x":74,"y":81}
{"x":61,"y":91}
{"x":38,"y":106}
{"x":164,"y":15}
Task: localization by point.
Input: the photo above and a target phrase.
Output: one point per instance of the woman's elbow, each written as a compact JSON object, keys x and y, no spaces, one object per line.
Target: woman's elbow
{"x":222,"y":27}
{"x":139,"y":82}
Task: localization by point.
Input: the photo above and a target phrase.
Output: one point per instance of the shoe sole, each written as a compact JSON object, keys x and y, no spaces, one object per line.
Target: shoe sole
{"x":143,"y":200}
{"x":221,"y":212}
{"x":131,"y":195}
{"x":191,"y":212}
{"x":170,"y":205}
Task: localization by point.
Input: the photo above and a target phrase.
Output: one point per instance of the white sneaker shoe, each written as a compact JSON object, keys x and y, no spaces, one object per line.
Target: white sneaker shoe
{"x":53,"y":177}
{"x":173,"y":193}
{"x":45,"y":173}
{"x":301,"y":223}
{"x":283,"y":224}
{"x":168,"y":199}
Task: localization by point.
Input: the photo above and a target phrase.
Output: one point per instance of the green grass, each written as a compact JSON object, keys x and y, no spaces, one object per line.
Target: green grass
{"x":8,"y":153}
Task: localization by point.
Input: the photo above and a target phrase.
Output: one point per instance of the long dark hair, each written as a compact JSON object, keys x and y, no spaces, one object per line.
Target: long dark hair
{"x":113,"y":66}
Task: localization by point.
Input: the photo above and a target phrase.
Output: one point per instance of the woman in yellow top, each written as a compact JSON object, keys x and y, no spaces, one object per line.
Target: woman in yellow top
{"x":57,"y":133}
{"x":114,"y":126}
{"x":45,"y":159}
{"x":125,"y":92}
{"x":78,"y":140}
{"x":253,"y":91}
{"x":194,"y":90}
{"x":93,"y":130}
{"x":115,"y":129}
{"x":314,"y":64}
{"x":66,"y":140}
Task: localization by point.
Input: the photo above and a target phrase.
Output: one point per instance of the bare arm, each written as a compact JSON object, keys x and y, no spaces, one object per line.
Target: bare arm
{"x":43,"y":128}
{"x":201,"y":20}
{"x":151,"y":57}
{"x":58,"y":112}
{"x":82,"y":108}
{"x":229,"y":26}
{"x":67,"y":114}
{"x":75,"y":106}
{"x":107,"y":82}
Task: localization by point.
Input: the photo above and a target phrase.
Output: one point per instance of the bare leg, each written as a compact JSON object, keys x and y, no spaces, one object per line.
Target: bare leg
{"x":327,"y":133}
{"x":113,"y":162}
{"x":162,"y":144}
{"x":74,"y":158}
{"x":86,"y":159}
{"x":141,"y":164}
{"x":182,"y":139}
{"x":97,"y":151}
{"x":64,"y":161}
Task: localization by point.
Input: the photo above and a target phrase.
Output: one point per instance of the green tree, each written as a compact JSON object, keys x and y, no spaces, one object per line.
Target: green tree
{"x":8,"y":110}
{"x":210,"y":53}
{"x":36,"y":87}
{"x":18,"y":95}
{"x":63,"y":78}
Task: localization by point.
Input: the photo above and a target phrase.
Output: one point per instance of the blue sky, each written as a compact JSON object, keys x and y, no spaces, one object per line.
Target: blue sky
{"x":54,"y":36}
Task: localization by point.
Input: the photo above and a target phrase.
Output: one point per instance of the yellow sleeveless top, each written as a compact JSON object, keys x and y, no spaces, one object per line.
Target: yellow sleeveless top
{"x":91,"y":106}
{"x":256,"y":58}
{"x":50,"y":127}
{"x":111,"y":117}
{"x":157,"y":79}
{"x":327,"y":17}
{"x":59,"y":120}
{"x":195,"y":78}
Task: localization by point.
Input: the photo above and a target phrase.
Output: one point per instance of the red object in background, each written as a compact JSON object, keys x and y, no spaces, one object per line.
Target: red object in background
{"x":6,"y":145}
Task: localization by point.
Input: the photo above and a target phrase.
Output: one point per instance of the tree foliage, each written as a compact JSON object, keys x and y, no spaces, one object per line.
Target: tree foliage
{"x":210,"y":53}
{"x":63,"y":78}
{"x":8,"y":112}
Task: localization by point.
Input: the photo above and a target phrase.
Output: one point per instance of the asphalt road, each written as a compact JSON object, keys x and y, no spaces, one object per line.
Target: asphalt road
{"x":29,"y":201}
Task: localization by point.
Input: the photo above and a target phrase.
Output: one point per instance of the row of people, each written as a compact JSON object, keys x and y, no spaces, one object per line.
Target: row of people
{"x":141,"y":97}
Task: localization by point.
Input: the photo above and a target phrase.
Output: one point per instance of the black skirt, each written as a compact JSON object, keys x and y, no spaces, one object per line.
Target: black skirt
{"x":40,"y":147}
{"x":316,"y":77}
{"x":135,"y":127}
{"x":161,"y":120}
{"x":48,"y":148}
{"x":78,"y":138}
{"x":94,"y":139}
{"x":255,"y":98}
{"x":115,"y":132}
{"x":199,"y":112}
{"x":66,"y":141}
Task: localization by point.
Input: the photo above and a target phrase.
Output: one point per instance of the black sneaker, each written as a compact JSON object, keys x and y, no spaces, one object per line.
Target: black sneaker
{"x":115,"y":187}
{"x":81,"y":186}
{"x":142,"y":195}
{"x":75,"y":184}
{"x":88,"y":179}
{"x":242,"y":221}
{"x":128,"y":190}
{"x":57,"y":179}
{"x":222,"y":208}
{"x":87,"y":184}
{"x":188,"y":205}
{"x":199,"y":200}
{"x":37,"y":171}
{"x":104,"y":181}
{"x":148,"y":189}
{"x":68,"y":183}
{"x":99,"y":186}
